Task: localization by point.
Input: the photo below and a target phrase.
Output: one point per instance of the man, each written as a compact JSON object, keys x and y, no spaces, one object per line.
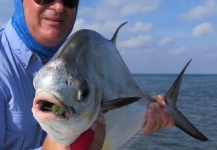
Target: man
{"x":31,"y":37}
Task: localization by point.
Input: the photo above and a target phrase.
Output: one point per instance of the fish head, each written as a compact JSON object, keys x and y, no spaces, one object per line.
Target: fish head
{"x":67,"y":99}
{"x":75,"y":86}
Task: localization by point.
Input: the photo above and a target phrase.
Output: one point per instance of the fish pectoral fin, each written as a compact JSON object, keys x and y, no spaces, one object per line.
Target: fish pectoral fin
{"x":185,"y":125}
{"x":117,"y":103}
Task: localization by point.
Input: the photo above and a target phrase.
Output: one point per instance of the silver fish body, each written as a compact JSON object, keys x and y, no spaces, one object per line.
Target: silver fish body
{"x":86,"y":73}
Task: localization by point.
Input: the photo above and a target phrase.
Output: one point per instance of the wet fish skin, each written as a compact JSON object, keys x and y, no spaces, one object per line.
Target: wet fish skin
{"x":87,"y":72}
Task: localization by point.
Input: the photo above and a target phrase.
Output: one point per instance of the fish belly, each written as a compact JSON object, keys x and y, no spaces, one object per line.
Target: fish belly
{"x":123,"y":123}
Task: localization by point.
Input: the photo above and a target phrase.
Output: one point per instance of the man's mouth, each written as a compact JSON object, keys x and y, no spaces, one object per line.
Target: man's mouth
{"x":59,"y":20}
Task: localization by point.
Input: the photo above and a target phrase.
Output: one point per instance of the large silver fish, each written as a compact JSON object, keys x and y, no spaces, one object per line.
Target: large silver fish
{"x":88,"y":77}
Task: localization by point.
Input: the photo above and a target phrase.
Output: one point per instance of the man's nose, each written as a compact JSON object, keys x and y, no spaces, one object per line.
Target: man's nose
{"x":58,"y":5}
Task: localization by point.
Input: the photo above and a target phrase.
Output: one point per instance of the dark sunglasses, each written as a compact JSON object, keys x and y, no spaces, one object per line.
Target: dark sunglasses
{"x":67,"y":3}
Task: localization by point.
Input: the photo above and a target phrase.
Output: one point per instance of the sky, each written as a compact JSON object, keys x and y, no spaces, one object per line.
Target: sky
{"x":161,"y":36}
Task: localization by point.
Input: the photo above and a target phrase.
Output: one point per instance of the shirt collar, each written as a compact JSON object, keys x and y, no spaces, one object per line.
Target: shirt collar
{"x":17,"y":45}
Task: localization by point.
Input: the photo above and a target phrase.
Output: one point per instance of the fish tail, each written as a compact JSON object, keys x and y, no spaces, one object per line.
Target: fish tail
{"x":180,"y":120}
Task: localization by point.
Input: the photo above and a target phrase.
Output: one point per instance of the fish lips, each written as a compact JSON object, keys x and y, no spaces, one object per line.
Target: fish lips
{"x":43,"y":99}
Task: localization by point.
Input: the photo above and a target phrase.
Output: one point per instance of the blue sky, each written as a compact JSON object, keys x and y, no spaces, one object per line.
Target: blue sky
{"x":161,"y":35}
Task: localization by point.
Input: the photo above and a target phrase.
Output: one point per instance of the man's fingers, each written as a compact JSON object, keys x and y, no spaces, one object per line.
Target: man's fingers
{"x":160,"y":100}
{"x":150,"y":121}
{"x":163,"y":117}
{"x":157,"y":118}
{"x":100,"y":132}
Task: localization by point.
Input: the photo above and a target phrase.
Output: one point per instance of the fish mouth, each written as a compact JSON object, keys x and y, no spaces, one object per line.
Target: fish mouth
{"x":48,"y":106}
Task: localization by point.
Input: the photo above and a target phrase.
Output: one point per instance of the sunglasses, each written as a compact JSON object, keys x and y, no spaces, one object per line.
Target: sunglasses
{"x":67,"y":3}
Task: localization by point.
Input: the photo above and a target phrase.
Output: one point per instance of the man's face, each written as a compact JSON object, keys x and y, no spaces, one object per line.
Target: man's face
{"x":49,"y":24}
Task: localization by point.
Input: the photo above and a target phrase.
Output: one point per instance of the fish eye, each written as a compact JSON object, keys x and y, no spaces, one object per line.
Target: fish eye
{"x":83,"y":90}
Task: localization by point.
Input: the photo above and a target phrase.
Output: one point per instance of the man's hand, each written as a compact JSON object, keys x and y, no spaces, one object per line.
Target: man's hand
{"x":99,"y":127}
{"x":92,"y":139}
{"x":157,"y":117}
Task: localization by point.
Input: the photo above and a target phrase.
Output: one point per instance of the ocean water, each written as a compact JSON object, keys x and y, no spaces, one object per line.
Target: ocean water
{"x":197,"y":101}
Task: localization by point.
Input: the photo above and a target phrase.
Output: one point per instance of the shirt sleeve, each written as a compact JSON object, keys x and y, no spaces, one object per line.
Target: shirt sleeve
{"x":84,"y":141}
{"x":2,"y":117}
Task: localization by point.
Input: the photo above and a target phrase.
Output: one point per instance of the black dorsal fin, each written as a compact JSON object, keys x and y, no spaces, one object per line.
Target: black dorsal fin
{"x":114,"y":38}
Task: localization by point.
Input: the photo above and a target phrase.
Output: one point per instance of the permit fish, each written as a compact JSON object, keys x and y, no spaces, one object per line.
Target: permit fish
{"x":87,"y":77}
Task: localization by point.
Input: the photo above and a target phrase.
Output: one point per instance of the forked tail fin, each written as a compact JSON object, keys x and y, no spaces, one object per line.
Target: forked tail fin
{"x":180,"y":120}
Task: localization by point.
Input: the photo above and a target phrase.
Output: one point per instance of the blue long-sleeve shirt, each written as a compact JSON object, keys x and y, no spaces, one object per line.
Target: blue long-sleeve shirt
{"x":18,"y":65}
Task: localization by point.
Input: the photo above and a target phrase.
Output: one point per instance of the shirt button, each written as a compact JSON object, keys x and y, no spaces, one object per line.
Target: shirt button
{"x":24,"y":65}
{"x":34,"y":57}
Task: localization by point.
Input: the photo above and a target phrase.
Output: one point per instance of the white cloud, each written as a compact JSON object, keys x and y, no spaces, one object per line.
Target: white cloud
{"x":136,"y":42}
{"x":177,"y":51}
{"x":105,"y":16}
{"x":103,"y":28}
{"x":203,"y":29}
{"x":166,"y":41}
{"x":110,"y":9}
{"x":209,"y":8}
{"x":102,"y":14}
{"x":140,"y":6}
{"x":140,"y":27}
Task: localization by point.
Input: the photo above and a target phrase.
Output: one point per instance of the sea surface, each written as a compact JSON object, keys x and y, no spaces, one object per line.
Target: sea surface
{"x":197,"y":101}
